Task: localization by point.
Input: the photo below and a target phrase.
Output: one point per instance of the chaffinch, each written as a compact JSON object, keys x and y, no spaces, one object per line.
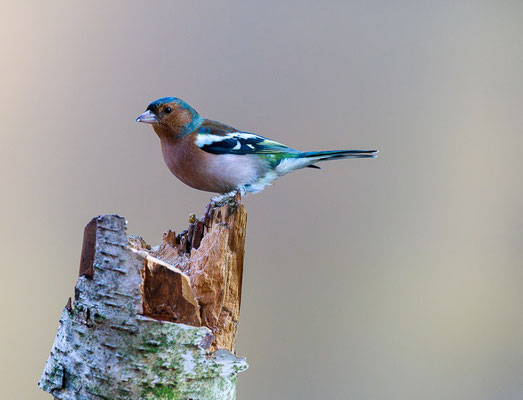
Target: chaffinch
{"x":211,"y":156}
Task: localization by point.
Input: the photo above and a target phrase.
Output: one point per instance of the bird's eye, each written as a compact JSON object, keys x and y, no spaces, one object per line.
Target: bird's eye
{"x":167,"y":110}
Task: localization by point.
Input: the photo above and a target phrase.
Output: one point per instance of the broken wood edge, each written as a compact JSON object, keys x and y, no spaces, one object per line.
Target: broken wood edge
{"x":207,"y":257}
{"x":167,"y":294}
{"x":106,"y":343}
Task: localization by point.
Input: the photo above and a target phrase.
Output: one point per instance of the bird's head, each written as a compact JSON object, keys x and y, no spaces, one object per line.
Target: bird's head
{"x":171,"y":117}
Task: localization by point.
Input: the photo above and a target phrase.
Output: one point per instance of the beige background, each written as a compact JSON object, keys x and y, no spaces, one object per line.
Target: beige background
{"x":395,"y":278}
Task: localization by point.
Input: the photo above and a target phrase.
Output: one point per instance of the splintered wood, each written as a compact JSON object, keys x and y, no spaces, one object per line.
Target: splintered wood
{"x":207,"y":258}
{"x":153,"y":322}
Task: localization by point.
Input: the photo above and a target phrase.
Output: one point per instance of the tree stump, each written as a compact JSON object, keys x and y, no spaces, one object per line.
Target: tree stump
{"x":153,"y":322}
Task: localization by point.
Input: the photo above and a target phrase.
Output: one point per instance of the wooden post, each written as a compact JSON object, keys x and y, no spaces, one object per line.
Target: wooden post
{"x":153,"y":322}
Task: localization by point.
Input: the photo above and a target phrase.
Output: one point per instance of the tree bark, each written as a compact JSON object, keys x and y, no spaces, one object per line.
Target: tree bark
{"x":153,"y":322}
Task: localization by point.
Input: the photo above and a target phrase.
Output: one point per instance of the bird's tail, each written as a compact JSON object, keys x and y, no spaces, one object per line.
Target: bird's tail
{"x":318,"y":156}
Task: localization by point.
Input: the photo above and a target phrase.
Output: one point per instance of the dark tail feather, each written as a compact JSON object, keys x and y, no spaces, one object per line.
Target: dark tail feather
{"x":335,"y":154}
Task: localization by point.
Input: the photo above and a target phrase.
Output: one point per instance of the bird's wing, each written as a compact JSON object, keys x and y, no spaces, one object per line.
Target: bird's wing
{"x":216,"y":138}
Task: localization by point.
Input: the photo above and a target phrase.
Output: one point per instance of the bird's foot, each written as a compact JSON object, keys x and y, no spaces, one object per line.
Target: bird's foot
{"x":223,"y":199}
{"x":227,"y":197}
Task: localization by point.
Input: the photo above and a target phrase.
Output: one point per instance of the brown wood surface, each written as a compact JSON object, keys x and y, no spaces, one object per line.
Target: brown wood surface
{"x":195,"y":278}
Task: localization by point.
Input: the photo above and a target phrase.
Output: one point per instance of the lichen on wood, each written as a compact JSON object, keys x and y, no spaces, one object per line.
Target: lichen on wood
{"x":153,"y":322}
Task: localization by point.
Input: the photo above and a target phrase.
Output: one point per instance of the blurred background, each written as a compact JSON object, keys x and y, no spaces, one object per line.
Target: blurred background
{"x":394,"y":278}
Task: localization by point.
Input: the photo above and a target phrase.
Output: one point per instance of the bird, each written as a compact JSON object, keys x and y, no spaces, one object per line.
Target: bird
{"x":215,"y":157}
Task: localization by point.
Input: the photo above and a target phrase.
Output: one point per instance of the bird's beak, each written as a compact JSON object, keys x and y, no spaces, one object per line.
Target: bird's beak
{"x":147,"y":118}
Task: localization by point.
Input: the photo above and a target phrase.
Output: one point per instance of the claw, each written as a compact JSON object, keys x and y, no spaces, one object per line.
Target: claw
{"x":207,"y":218}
